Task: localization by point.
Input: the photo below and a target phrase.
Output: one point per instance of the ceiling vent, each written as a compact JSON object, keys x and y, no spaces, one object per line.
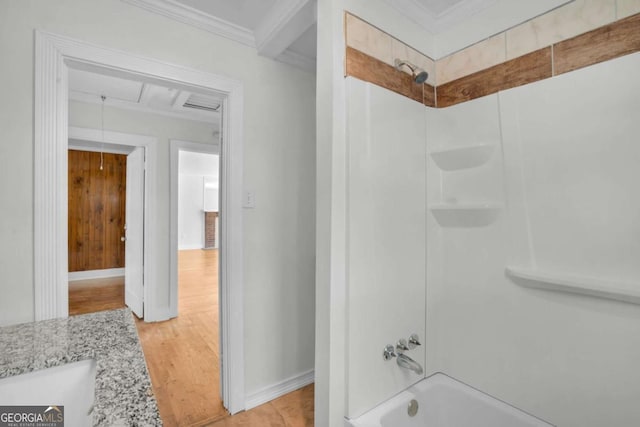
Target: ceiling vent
{"x":202,"y":102}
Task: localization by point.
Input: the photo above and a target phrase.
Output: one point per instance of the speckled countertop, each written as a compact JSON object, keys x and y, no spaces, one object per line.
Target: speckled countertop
{"x":123,"y":394}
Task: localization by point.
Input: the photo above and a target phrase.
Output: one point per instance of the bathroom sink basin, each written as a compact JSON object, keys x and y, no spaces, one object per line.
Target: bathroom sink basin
{"x":71,"y":385}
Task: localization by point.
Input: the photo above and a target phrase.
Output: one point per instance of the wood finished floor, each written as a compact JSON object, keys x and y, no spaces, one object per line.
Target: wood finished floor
{"x":183,"y":357}
{"x":294,"y":409}
{"x":89,"y":296}
{"x":182,"y":353}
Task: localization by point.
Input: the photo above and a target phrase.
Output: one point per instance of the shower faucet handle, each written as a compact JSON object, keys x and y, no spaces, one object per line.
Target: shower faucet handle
{"x":414,"y":341}
{"x":402,"y":346}
{"x":389,"y":352}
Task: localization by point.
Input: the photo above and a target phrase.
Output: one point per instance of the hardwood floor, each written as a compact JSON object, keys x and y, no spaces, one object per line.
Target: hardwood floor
{"x":89,"y":296}
{"x":182,"y":353}
{"x":291,"y":410}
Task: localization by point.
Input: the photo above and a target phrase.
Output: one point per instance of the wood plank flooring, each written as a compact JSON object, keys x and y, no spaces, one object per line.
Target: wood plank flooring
{"x":291,"y":410}
{"x":182,"y":354}
{"x":89,"y":296}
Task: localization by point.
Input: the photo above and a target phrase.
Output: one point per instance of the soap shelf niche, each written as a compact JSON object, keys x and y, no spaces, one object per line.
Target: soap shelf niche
{"x":466,"y":215}
{"x":596,"y":287}
{"x":463,"y":157}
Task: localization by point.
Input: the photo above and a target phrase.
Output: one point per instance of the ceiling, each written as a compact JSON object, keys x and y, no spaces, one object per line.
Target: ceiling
{"x":285,"y":30}
{"x":87,"y":86}
{"x":437,"y":16}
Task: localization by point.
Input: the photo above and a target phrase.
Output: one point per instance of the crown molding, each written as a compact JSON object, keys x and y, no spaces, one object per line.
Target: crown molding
{"x":297,"y":60}
{"x":190,"y":16}
{"x":284,"y":23}
{"x":275,"y":33}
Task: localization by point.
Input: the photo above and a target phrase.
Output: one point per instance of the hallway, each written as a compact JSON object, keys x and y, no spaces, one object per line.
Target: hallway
{"x":183,"y":359}
{"x":182,"y":353}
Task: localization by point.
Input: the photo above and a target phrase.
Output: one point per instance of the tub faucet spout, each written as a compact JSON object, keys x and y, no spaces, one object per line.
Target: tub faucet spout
{"x":406,"y":362}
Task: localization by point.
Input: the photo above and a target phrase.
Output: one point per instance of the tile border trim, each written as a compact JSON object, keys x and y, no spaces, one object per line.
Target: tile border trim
{"x":608,"y":42}
{"x":369,"y":69}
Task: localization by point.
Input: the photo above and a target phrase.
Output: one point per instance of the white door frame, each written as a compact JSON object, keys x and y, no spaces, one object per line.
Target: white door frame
{"x":149,"y":143}
{"x":174,"y":158}
{"x":53,"y":55}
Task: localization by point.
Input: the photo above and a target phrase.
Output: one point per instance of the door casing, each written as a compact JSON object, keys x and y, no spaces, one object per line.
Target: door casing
{"x":122,"y":143}
{"x":134,"y":232}
{"x":54,"y":54}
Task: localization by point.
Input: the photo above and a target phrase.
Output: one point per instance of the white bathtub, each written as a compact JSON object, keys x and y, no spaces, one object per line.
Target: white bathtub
{"x":445,"y":402}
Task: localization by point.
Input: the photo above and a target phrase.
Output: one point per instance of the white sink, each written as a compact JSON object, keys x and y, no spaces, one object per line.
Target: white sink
{"x":71,"y":385}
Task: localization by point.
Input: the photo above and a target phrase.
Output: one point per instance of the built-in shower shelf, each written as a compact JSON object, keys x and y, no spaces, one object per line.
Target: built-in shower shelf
{"x":463,"y":157}
{"x":596,"y":287}
{"x":466,"y":215}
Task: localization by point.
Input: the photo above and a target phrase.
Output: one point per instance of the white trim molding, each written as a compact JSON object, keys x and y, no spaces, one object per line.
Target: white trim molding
{"x":297,"y":60}
{"x":278,"y":29}
{"x":281,"y":388}
{"x":95,"y":274}
{"x":283,"y":25}
{"x":84,"y":137}
{"x":196,"y":18}
{"x":53,"y":55}
{"x":50,"y":203}
{"x":175,"y":146}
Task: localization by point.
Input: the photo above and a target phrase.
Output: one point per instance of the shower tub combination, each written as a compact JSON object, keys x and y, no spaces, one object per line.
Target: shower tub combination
{"x":441,"y":401}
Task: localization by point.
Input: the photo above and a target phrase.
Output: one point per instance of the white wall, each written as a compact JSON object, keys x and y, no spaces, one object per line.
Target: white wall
{"x":386,"y":240}
{"x":481,"y":327}
{"x":279,"y":165}
{"x":330,"y":333}
{"x":164,"y":128}
{"x":571,"y":155}
{"x":331,"y":231}
{"x":499,"y":16}
{"x":194,"y":169}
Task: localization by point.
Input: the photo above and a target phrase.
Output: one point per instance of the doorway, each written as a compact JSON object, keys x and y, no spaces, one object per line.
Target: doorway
{"x":54,"y":54}
{"x":108,"y":288}
{"x":187,"y":393}
{"x":194,"y":396}
{"x":106,"y":217}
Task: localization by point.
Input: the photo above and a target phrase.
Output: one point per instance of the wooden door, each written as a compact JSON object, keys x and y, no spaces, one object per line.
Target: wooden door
{"x":97,"y":200}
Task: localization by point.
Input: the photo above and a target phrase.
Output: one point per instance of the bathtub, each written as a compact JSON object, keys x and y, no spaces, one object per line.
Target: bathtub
{"x":445,"y":402}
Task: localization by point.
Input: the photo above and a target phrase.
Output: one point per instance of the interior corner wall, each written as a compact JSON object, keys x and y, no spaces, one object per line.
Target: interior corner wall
{"x":499,"y":16}
{"x":569,"y":359}
{"x":331,"y":323}
{"x":279,"y":166}
{"x":385,"y":17}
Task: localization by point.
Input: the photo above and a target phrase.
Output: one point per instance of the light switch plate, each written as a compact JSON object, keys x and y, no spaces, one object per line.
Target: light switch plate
{"x":249,"y":200}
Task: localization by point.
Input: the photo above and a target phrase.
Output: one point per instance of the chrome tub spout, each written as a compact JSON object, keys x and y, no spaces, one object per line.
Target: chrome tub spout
{"x":406,"y":362}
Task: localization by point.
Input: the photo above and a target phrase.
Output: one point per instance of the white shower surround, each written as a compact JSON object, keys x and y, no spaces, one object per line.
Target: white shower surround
{"x":550,"y":353}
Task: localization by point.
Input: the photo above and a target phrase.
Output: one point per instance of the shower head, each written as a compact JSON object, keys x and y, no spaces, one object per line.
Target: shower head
{"x":419,"y":75}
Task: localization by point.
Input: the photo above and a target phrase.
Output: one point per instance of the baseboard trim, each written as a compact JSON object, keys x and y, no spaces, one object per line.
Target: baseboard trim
{"x":189,"y":247}
{"x":279,"y":389}
{"x":95,"y":274}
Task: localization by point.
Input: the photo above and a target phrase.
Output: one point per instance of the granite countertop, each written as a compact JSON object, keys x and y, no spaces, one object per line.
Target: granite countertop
{"x":123,"y":394}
